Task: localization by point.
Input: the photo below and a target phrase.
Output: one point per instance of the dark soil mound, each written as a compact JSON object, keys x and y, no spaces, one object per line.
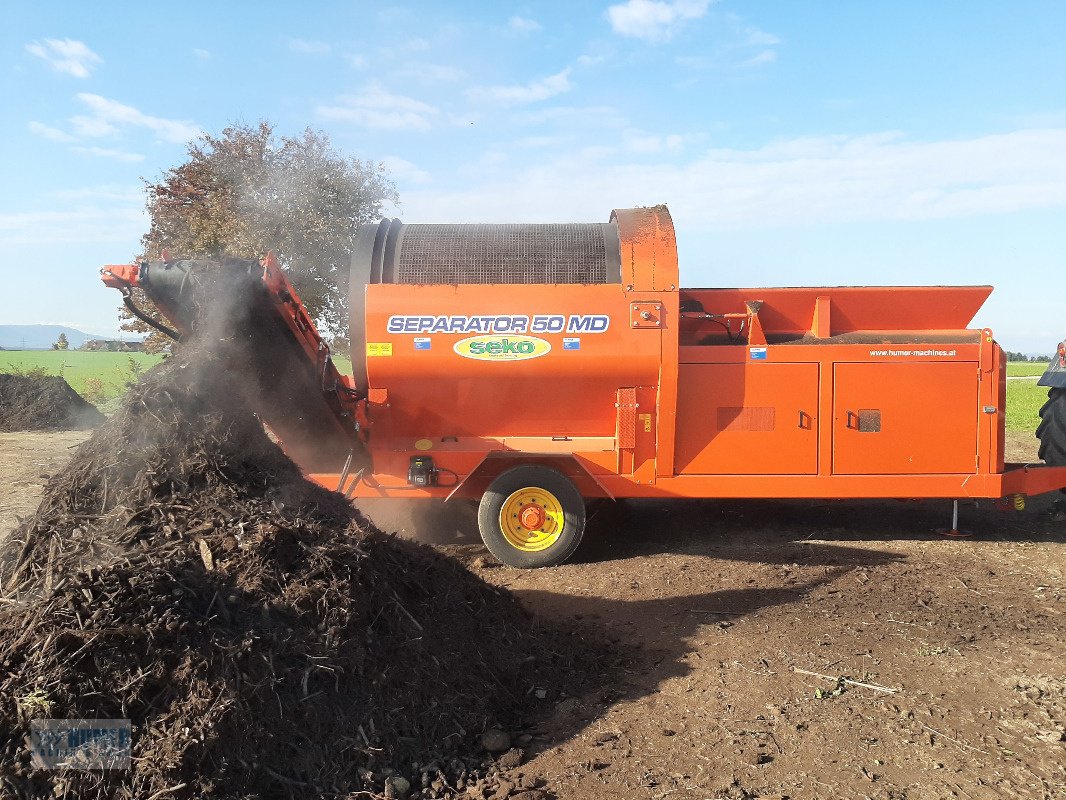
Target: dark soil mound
{"x":263,"y":639}
{"x":43,"y":403}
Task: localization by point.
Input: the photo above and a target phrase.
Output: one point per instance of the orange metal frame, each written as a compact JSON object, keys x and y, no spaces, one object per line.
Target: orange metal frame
{"x":842,"y":392}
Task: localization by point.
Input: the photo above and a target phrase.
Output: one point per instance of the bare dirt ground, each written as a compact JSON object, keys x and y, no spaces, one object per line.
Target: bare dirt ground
{"x":717,"y":605}
{"x":27,"y":459}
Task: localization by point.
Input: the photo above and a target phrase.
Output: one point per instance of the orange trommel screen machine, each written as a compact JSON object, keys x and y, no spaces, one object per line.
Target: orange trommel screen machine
{"x":537,"y":367}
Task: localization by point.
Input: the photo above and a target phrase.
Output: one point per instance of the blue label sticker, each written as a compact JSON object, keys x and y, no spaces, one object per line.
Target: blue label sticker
{"x":571,"y":344}
{"x":757,"y":353}
{"x":423,"y":343}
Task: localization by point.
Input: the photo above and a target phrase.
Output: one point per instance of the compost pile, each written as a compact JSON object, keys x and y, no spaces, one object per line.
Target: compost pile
{"x":264,"y":640}
{"x":43,"y":403}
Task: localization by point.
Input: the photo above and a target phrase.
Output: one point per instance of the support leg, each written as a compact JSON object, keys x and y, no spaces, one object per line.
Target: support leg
{"x":954,"y":531}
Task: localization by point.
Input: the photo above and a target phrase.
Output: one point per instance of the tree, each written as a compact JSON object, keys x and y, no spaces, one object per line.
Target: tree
{"x":61,"y":343}
{"x":248,"y":191}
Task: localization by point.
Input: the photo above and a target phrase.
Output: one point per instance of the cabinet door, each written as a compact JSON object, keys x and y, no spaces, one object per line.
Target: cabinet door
{"x":747,"y":419}
{"x":905,"y":419}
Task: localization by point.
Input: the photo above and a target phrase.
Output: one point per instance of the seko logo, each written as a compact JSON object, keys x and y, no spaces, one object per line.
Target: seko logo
{"x":502,"y":348}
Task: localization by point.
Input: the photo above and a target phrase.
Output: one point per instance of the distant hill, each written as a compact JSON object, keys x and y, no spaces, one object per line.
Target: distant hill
{"x":42,"y":337}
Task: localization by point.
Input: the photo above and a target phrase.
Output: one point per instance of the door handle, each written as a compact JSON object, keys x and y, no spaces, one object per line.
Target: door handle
{"x":853,"y":416}
{"x":804,"y":420}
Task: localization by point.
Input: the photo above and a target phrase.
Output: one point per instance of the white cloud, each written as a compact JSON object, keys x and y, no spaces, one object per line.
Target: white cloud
{"x":764,"y":57}
{"x":641,"y":143}
{"x":518,"y":24}
{"x":107,"y":223}
{"x":126,"y":193}
{"x":760,"y":38}
{"x":404,"y":171}
{"x":200,"y":53}
{"x":430,"y":73}
{"x":92,"y":126}
{"x":654,"y":20}
{"x":762,"y":42}
{"x":47,"y":132}
{"x":573,"y":117}
{"x":106,"y":152}
{"x":108,"y":115}
{"x":747,"y":47}
{"x":66,"y":55}
{"x":310,"y":47}
{"x":531,"y":92}
{"x":382,"y":110}
{"x":537,"y":142}
{"x":804,"y":181}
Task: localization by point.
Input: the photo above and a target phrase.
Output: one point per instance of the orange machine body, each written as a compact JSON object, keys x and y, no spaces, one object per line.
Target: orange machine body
{"x":643,"y":389}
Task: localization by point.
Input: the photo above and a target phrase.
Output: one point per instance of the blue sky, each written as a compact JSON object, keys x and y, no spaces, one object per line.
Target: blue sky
{"x":818,"y":143}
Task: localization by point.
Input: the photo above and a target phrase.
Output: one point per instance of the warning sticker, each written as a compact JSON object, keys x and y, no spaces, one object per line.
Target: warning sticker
{"x":378,"y":349}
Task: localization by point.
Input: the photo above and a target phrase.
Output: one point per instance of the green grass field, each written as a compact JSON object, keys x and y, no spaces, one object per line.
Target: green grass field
{"x":99,"y":377}
{"x":1024,"y":397}
{"x":1022,"y":369}
{"x":342,"y":363}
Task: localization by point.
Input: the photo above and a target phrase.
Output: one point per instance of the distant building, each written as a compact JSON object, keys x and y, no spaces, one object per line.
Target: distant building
{"x":112,"y":346}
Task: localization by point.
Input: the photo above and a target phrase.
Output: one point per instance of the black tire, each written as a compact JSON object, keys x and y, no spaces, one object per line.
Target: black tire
{"x":1052,"y":429}
{"x":512,"y":481}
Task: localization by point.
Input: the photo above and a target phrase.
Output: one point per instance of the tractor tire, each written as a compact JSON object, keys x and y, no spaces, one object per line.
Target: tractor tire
{"x":531,"y":516}
{"x":1052,"y":429}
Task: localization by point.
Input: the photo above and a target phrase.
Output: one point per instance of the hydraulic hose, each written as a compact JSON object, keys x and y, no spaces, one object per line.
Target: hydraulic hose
{"x":127,"y":299}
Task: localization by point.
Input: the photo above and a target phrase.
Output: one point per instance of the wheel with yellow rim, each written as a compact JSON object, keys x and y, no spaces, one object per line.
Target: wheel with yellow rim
{"x":532,"y":516}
